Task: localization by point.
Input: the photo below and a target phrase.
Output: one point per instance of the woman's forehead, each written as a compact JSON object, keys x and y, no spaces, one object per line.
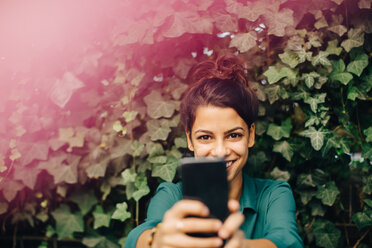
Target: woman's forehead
{"x":211,"y":117}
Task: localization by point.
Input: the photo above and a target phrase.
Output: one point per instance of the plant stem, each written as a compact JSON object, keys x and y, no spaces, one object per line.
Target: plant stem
{"x":137,"y":213}
{"x":361,"y":238}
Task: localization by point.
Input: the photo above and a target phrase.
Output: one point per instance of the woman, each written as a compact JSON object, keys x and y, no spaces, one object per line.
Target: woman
{"x":218,"y":114}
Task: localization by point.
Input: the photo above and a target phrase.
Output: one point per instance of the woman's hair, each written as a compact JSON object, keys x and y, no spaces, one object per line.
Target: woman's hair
{"x":221,"y":83}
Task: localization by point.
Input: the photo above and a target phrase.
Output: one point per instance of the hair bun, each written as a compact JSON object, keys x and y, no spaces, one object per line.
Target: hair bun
{"x":227,"y":66}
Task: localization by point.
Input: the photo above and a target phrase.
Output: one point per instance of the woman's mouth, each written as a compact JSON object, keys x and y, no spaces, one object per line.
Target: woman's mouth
{"x":229,"y":164}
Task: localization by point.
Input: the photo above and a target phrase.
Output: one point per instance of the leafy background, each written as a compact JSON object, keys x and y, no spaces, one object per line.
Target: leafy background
{"x":86,"y":139}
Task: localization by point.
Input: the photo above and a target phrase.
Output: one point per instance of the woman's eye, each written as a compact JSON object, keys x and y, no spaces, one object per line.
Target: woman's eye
{"x":235,"y":135}
{"x":204,"y":137}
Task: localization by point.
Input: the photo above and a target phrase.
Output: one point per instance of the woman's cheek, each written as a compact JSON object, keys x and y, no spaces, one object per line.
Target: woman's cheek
{"x":202,"y":150}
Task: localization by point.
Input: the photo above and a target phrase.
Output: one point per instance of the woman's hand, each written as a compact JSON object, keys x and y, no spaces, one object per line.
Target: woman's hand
{"x":230,"y":228}
{"x":176,"y":224}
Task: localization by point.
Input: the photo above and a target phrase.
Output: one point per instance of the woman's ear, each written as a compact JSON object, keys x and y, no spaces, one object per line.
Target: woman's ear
{"x":251,"y":135}
{"x":189,"y":142}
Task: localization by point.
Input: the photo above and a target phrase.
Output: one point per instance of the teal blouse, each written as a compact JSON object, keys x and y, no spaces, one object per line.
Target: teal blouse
{"x":268,"y":207}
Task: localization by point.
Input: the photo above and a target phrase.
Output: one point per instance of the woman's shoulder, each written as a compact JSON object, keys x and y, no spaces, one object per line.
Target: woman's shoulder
{"x":266,"y":187}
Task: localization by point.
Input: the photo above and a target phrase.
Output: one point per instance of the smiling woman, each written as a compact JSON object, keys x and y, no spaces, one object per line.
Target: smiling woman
{"x":218,"y":114}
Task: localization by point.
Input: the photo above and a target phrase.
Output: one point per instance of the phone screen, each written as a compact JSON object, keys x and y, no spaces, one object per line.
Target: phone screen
{"x":205,"y":179}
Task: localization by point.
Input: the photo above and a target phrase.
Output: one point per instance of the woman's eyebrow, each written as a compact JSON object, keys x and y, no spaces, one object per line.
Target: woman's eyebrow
{"x":234,"y":129}
{"x":209,"y":132}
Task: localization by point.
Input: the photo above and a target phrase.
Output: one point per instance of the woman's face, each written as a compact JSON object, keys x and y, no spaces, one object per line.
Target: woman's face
{"x":221,"y":132}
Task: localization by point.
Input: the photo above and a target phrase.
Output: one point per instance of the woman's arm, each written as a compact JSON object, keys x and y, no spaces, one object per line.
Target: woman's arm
{"x":142,"y":241}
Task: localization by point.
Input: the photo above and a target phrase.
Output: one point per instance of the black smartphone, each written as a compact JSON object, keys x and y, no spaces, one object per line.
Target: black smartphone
{"x":205,"y":179}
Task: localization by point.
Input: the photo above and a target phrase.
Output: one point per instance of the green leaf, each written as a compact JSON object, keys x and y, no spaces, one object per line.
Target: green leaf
{"x":272,"y":75}
{"x":362,"y":219}
{"x":367,"y":151}
{"x":368,"y":133}
{"x":285,"y":149}
{"x":166,"y":171}
{"x":326,"y":234}
{"x":354,"y":92}
{"x":367,"y":181}
{"x":328,"y":193}
{"x":337,"y":66}
{"x":343,"y":77}
{"x":309,"y":78}
{"x":277,"y":132}
{"x":180,"y":142}
{"x":157,"y":159}
{"x":176,"y":87}
{"x":278,"y":20}
{"x":321,"y":58}
{"x":358,"y":64}
{"x":129,"y":176}
{"x":332,"y":142}
{"x":280,"y":175}
{"x":317,"y":209}
{"x":121,"y":213}
{"x":85,"y":200}
{"x":137,"y":148}
{"x":142,"y":188}
{"x":316,"y":137}
{"x":290,"y":58}
{"x":158,"y":107}
{"x":355,"y":39}
{"x":332,"y":48}
{"x":272,"y":93}
{"x":101,"y":218}
{"x":244,"y":41}
{"x":157,"y":131}
{"x":97,"y":241}
{"x":154,"y":149}
{"x":129,"y":115}
{"x":314,"y":101}
{"x":306,"y":196}
{"x":257,"y":160}
{"x":368,"y":202}
{"x":338,"y":29}
{"x":67,"y":223}
{"x":321,"y":23}
{"x":74,"y":137}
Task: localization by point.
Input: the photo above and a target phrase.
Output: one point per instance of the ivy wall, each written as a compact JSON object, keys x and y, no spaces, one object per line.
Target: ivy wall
{"x":89,"y":122}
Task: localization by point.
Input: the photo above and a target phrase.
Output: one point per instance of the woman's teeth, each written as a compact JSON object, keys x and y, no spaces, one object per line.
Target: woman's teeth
{"x":228,"y":164}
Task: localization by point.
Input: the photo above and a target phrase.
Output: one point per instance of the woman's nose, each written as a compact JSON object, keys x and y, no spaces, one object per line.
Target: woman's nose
{"x":220,"y":150}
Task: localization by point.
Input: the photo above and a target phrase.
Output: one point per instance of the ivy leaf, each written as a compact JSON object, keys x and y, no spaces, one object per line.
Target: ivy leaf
{"x":142,"y":188}
{"x":321,"y":23}
{"x":338,"y":29}
{"x":326,"y":234}
{"x":85,"y":200}
{"x":101,"y":218}
{"x":157,"y":159}
{"x":129,"y":176}
{"x":367,"y":151}
{"x":290,"y":58}
{"x":137,"y":148}
{"x":272,"y":75}
{"x":354,"y":92}
{"x":355,"y":39}
{"x":63,"y":168}
{"x":63,"y":89}
{"x":280,"y":175}
{"x":154,"y":149}
{"x":317,"y":209}
{"x":75,"y":138}
{"x":67,"y":223}
{"x":272,"y":93}
{"x":328,"y":193}
{"x":316,"y":137}
{"x":27,"y":175}
{"x":121,"y":213}
{"x":358,"y":64}
{"x":97,"y":241}
{"x":362,"y":219}
{"x":285,"y":149}
{"x":244,"y":42}
{"x":33,"y":151}
{"x":187,"y":22}
{"x":314,"y":101}
{"x":278,"y":20}
{"x":166,"y":171}
{"x":338,"y":66}
{"x":309,"y":78}
{"x":255,"y":161}
{"x":129,"y":115}
{"x":333,"y":48}
{"x":277,"y":132}
{"x":98,"y":168}
{"x":10,"y":188}
{"x":367,"y":181}
{"x":343,"y":77}
{"x":180,"y":142}
{"x":176,"y":87}
{"x":332,"y":142}
{"x":368,"y":133}
{"x":321,"y":58}
{"x":156,"y":131}
{"x":157,"y":107}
